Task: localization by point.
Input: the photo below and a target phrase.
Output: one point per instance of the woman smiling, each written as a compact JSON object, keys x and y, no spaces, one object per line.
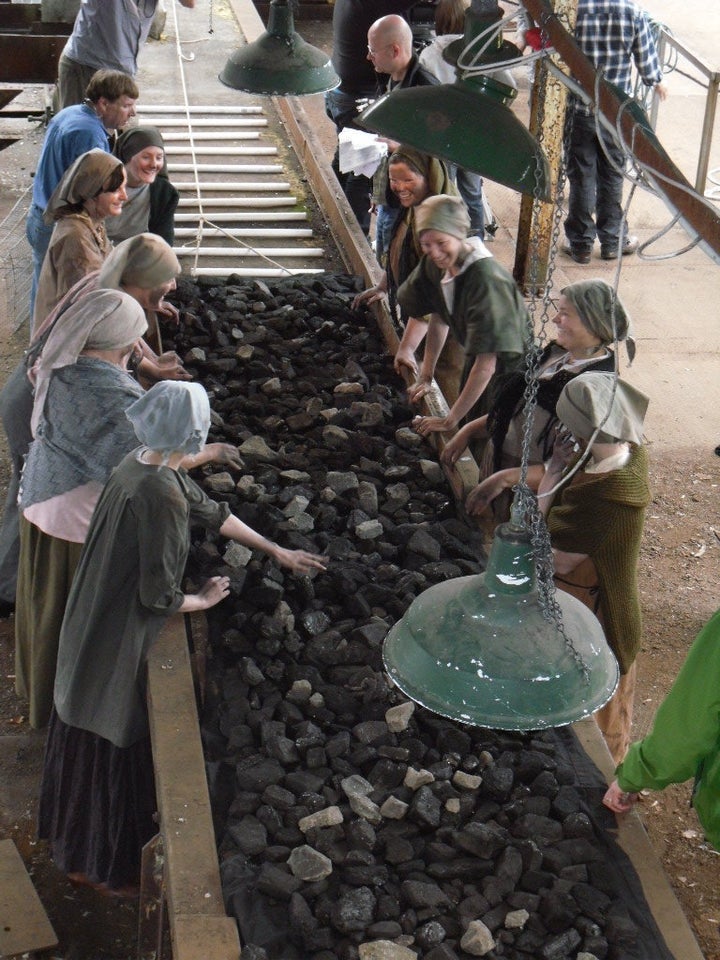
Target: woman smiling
{"x":152,"y":199}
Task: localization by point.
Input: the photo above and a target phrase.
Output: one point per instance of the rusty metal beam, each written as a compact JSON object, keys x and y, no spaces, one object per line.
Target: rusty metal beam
{"x":698,"y":216}
{"x":29,"y":58}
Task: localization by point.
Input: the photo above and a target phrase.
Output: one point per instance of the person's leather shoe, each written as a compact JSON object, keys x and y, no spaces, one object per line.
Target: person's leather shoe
{"x":610,"y":251}
{"x":578,"y":253}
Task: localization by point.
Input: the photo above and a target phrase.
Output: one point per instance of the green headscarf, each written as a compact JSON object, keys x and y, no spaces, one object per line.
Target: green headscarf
{"x":594,"y":301}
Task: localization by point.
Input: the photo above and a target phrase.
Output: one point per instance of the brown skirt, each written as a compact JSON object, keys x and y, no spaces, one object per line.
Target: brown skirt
{"x":45,"y":573}
{"x":615,"y":718}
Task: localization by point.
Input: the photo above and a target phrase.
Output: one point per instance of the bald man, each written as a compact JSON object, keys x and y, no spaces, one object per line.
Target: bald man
{"x":358,"y":84}
{"x":390,"y":50}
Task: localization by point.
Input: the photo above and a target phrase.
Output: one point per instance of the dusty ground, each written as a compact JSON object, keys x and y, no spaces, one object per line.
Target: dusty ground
{"x":679,"y":582}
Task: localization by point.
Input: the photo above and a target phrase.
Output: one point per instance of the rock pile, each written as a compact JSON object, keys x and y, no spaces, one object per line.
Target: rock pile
{"x":351,"y":824}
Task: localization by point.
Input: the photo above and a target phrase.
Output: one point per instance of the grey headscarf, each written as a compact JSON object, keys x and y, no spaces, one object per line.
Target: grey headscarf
{"x":445,"y":214}
{"x":145,"y":260}
{"x":101,"y":320}
{"x":83,"y":180}
{"x":593,"y":400}
{"x":594,"y":301}
{"x":172,"y":417}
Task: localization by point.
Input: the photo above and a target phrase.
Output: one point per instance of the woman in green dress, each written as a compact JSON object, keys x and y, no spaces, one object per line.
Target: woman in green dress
{"x":97,"y":796}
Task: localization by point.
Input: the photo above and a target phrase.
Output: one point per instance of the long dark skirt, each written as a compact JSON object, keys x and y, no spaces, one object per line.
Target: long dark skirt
{"x":96,"y":804}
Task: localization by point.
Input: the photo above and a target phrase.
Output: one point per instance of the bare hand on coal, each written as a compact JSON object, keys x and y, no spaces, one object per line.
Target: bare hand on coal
{"x":168,"y":366}
{"x":168,"y":311}
{"x":299,"y":561}
{"x":225,"y":453}
{"x":214,"y":590}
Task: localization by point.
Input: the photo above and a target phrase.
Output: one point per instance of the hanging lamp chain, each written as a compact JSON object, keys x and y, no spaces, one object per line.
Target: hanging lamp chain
{"x":525,"y":505}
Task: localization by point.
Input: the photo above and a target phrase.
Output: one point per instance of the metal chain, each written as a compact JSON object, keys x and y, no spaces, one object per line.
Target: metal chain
{"x":525,"y":505}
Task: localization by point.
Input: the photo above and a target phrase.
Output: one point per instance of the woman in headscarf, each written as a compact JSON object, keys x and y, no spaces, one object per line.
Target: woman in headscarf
{"x":92,"y":189}
{"x":412,"y":177}
{"x":589,"y":320}
{"x":97,"y":797}
{"x":82,"y":389}
{"x":468,"y":294}
{"x":151,"y":197}
{"x":143,"y":266}
{"x":596,"y":519}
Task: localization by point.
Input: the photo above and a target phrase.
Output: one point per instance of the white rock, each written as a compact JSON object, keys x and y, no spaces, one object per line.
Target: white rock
{"x":309,"y":864}
{"x":385,"y":950}
{"x":466,"y":781}
{"x":417,"y":778}
{"x":452,"y":805}
{"x":356,"y":786}
{"x":366,"y":808}
{"x":398,"y":718}
{"x":236,"y":555}
{"x":477,"y":939}
{"x":516,"y":919}
{"x":329,"y":817}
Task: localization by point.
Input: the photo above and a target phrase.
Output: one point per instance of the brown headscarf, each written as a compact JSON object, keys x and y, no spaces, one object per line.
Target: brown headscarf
{"x":84,"y":179}
{"x":433,"y":170}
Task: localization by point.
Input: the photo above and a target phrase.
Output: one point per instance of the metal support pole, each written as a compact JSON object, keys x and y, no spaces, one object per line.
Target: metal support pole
{"x":547,"y":119}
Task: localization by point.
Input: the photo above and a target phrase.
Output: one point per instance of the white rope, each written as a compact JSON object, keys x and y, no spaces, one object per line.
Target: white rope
{"x":202,"y":220}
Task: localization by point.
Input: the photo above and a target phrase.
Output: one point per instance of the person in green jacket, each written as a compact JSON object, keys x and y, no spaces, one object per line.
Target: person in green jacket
{"x":685,"y":739}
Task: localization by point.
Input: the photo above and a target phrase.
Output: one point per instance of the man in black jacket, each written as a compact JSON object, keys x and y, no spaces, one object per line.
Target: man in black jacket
{"x":358,"y":83}
{"x":390,"y":50}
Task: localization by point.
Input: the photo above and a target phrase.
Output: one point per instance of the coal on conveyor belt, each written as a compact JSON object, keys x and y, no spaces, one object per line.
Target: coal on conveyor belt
{"x":352,"y":824}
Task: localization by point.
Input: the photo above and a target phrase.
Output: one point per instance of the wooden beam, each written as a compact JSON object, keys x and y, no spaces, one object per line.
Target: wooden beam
{"x":25,"y":926}
{"x":192,"y":875}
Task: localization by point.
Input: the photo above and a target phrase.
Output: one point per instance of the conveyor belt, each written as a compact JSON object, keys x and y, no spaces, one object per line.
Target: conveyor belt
{"x":235,"y":194}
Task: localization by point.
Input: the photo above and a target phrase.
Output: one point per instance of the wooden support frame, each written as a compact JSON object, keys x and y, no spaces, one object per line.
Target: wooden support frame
{"x":199,"y":927}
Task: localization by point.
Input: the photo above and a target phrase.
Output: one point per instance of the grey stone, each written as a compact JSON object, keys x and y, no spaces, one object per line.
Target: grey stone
{"x":354,"y":910}
{"x":369,"y":530}
{"x":385,"y":950}
{"x":220,"y":483}
{"x":328,"y":817}
{"x":340,"y":481}
{"x":309,"y":864}
{"x":255,"y":448}
{"x":398,"y":717}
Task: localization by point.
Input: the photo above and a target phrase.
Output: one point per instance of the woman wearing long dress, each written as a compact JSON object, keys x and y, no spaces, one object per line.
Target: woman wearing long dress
{"x":92,"y":189}
{"x":97,"y":796}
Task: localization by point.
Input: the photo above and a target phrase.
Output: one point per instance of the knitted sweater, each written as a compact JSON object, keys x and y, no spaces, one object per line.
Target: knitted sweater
{"x":602,"y":515}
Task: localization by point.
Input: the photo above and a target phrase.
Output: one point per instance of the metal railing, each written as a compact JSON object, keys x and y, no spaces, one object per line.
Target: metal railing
{"x":676,"y":57}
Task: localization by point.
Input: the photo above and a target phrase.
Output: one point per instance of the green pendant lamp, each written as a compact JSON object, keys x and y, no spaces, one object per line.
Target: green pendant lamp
{"x":480,"y":649}
{"x":280,"y":63}
{"x":467,"y":122}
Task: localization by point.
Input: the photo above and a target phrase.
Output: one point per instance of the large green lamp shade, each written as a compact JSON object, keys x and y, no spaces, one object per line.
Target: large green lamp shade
{"x":279,"y":63}
{"x":479,"y":650}
{"x":468,"y":123}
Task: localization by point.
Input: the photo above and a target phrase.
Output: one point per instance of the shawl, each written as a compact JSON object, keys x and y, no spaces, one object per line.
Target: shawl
{"x":85,"y":433}
{"x":127,"y":582}
{"x":602,"y":515}
{"x":78,"y":246}
{"x":101,"y":320}
{"x":510,"y":395}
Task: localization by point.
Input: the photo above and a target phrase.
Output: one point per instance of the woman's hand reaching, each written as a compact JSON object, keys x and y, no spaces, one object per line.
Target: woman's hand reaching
{"x":298,"y":561}
{"x":617,"y":800}
{"x":427,"y":425}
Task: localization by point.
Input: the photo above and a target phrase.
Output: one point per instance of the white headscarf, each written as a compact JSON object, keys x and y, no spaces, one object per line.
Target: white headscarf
{"x":172,"y":417}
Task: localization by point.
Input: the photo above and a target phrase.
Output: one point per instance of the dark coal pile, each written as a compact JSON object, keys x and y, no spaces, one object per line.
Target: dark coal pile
{"x":350,"y":823}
